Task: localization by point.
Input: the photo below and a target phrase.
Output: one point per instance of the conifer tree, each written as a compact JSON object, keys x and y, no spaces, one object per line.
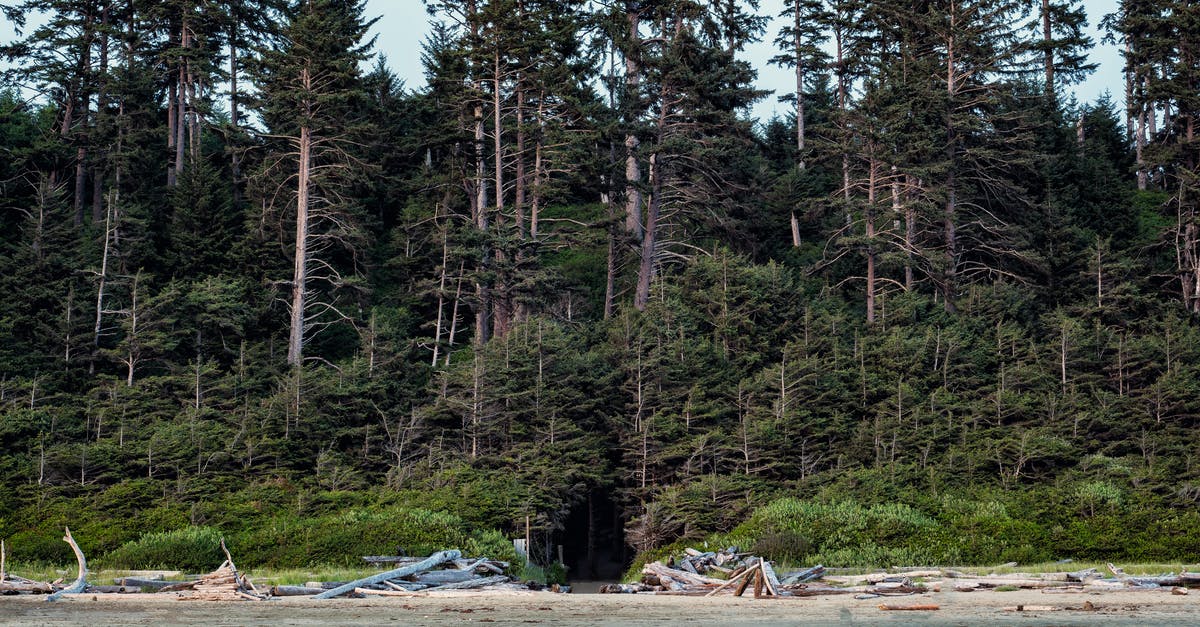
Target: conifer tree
{"x":307,"y":90}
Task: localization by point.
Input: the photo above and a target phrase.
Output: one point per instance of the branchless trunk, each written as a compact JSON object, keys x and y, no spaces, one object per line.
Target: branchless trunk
{"x":869,"y":217}
{"x":633,"y":172}
{"x":950,"y":209}
{"x":98,"y":166}
{"x":482,"y":293}
{"x":646,"y":260}
{"x":181,"y":117}
{"x":103,"y":277}
{"x":800,"y":165}
{"x":235,"y":157}
{"x":300,"y":261}
{"x":1048,"y":53}
{"x":502,"y":307}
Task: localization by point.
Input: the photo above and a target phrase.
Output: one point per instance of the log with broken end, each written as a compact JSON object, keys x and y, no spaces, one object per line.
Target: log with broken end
{"x":80,"y":582}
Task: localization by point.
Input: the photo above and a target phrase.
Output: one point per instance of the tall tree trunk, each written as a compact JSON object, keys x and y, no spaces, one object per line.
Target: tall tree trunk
{"x":181,"y":117}
{"x":300,"y":262}
{"x":633,"y":172}
{"x":800,"y":165}
{"x":950,"y":209}
{"x":235,"y":114}
{"x":650,"y":236}
{"x":82,"y":97}
{"x":502,"y":307}
{"x":483,"y":295}
{"x":172,"y":134}
{"x":869,"y":217}
{"x":1048,"y":53}
{"x":98,"y":157}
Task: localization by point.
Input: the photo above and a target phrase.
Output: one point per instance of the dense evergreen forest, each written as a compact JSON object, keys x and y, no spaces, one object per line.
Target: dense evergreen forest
{"x":253,"y":283}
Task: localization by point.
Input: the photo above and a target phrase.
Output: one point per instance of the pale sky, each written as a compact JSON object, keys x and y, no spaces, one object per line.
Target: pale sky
{"x":403,"y":25}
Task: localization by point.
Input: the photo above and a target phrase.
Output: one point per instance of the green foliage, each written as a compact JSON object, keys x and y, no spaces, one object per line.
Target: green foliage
{"x":842,"y":533}
{"x":343,"y":538}
{"x":192,"y":549}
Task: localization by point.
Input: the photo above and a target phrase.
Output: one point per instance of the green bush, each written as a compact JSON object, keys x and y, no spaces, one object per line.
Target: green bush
{"x":194,"y":549}
{"x":842,"y":533}
{"x":343,"y":539}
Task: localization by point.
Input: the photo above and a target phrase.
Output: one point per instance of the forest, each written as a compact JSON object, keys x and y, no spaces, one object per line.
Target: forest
{"x":570,"y":290}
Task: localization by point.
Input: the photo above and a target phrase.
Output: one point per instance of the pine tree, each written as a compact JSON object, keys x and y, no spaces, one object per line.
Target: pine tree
{"x":307,"y":91}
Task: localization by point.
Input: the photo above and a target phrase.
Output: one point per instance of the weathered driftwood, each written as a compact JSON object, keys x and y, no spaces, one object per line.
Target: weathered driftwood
{"x":624,"y":588}
{"x":464,"y":563}
{"x":388,"y":593}
{"x":436,"y":559}
{"x":801,"y":576}
{"x":658,"y":569}
{"x":770,"y":580}
{"x":104,"y":589}
{"x":178,"y":586}
{"x":439,"y":577}
{"x":37,"y":587}
{"x":80,"y":582}
{"x":138,"y":582}
{"x":293,"y":591}
{"x":480,"y":582}
{"x":736,"y":579}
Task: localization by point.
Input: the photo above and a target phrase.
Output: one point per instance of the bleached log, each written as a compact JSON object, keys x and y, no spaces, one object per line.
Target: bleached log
{"x":81,"y":581}
{"x":733,"y":580}
{"x":293,"y":591}
{"x":388,"y":593}
{"x":433,"y":560}
{"x":439,"y":577}
{"x":769,"y":577}
{"x":481,"y":582}
{"x":39,"y":587}
{"x":660,"y":570}
{"x":138,"y":582}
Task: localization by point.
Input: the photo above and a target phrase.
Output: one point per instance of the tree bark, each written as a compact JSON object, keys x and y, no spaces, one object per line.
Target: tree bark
{"x":300,"y":261}
{"x":633,"y":172}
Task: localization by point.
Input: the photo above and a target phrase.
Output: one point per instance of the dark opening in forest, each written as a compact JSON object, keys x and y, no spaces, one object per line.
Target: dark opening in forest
{"x":593,"y":540}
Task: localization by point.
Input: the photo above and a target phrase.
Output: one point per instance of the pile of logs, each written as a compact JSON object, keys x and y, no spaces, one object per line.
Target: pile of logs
{"x":441,"y":572}
{"x":418,"y":577}
{"x":690,"y":575}
{"x":724,"y":561}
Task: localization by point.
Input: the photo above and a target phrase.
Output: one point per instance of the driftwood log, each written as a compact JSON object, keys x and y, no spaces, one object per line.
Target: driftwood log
{"x":81,"y":581}
{"x":293,"y":591}
{"x":436,"y":559}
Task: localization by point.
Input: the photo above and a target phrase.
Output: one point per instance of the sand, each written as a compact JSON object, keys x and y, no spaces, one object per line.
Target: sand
{"x":956,"y":608}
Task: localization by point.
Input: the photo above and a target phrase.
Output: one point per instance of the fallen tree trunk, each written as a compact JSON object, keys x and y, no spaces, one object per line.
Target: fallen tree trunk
{"x":138,"y":582}
{"x":40,"y":587}
{"x":293,"y":591}
{"x":441,"y":577}
{"x":436,"y":559}
{"x":481,"y":582}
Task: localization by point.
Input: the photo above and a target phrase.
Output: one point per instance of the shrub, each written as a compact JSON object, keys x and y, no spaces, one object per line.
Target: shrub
{"x":195,"y":549}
